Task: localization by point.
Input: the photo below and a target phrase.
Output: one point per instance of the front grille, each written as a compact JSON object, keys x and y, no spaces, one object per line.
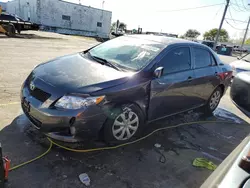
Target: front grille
{"x":35,"y":122}
{"x":39,"y":94}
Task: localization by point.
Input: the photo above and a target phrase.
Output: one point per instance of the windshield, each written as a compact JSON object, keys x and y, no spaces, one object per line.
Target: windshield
{"x":247,"y":57}
{"x":128,"y":52}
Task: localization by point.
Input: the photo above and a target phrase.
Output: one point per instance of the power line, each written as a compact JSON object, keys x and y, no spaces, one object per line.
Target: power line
{"x":176,"y":10}
{"x":244,"y":5}
{"x":240,"y":8}
{"x":236,"y":20}
{"x":218,"y":11}
{"x":233,"y":26}
{"x":236,"y":4}
{"x":235,"y":8}
{"x":231,"y":14}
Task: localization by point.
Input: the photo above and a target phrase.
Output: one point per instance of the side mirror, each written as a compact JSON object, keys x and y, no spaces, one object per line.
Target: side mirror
{"x":238,"y":57}
{"x":158,"y":72}
{"x":113,"y":33}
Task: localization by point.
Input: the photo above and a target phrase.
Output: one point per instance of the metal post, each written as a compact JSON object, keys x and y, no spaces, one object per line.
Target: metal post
{"x":117,"y":26}
{"x":244,"y":39}
{"x":1,"y":168}
{"x":221,"y":23}
{"x":19,"y":8}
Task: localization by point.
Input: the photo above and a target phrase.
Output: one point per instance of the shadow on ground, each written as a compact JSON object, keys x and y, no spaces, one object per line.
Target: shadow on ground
{"x":30,"y":36}
{"x":137,"y":165}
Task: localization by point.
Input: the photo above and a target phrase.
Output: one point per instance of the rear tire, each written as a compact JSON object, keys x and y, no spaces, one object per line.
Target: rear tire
{"x":213,"y":101}
{"x":11,"y":30}
{"x":124,"y":124}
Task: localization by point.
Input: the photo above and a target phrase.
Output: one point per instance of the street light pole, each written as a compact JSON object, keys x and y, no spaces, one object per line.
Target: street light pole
{"x":221,"y":23}
{"x":244,"y":39}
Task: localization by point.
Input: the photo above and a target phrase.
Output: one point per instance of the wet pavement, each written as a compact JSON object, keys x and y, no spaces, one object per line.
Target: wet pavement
{"x":137,"y":165}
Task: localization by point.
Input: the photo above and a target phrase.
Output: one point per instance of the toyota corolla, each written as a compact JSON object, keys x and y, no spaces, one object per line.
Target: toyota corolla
{"x":115,"y":88}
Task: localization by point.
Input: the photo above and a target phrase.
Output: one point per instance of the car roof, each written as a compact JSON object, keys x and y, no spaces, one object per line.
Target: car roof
{"x":165,"y":40}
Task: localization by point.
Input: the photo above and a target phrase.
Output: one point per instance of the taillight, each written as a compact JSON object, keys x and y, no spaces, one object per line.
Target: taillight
{"x":225,"y":75}
{"x":230,"y":74}
{"x":233,"y":67}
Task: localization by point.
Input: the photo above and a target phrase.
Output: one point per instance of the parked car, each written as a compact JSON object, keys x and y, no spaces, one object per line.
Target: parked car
{"x":234,"y":170}
{"x":239,"y":49}
{"x":115,"y":88}
{"x":240,"y":90}
{"x":241,"y":65}
{"x":208,"y":43}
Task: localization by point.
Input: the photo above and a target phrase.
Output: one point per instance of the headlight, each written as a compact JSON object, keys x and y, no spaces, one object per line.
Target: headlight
{"x":75,"y":102}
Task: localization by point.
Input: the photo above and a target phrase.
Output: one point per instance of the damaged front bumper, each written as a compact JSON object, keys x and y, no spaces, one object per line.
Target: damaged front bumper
{"x":65,"y":126}
{"x":61,"y":124}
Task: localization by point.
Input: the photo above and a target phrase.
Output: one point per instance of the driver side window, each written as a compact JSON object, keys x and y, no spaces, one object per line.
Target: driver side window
{"x":176,"y":60}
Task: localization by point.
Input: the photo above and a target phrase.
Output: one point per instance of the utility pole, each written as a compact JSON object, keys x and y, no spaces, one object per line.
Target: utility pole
{"x":244,"y":39}
{"x":19,"y":8}
{"x":221,"y":23}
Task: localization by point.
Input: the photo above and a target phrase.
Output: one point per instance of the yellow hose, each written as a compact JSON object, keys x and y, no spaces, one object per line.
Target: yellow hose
{"x":112,"y":147}
{"x":32,"y":160}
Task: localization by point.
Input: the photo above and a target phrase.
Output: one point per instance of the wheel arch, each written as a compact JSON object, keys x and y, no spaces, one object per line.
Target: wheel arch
{"x":222,"y":88}
{"x":116,"y":105}
{"x":139,"y":103}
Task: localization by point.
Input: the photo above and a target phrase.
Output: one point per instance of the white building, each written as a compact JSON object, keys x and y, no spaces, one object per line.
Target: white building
{"x":3,"y":5}
{"x":63,"y":17}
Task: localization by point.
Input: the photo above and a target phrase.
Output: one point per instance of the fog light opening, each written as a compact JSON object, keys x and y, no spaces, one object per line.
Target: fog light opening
{"x":72,"y":129}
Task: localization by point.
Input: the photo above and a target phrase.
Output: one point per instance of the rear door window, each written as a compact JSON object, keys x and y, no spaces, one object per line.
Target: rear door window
{"x":202,"y":58}
{"x":176,"y":60}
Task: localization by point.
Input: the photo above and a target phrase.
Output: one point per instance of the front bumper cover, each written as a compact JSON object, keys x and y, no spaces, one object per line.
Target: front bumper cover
{"x":56,"y":123}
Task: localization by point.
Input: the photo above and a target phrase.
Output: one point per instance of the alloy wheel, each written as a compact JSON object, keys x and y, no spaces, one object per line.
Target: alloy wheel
{"x":125,"y":125}
{"x":215,"y":99}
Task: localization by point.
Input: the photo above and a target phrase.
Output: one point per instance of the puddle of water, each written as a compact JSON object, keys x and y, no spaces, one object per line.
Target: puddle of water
{"x":211,"y":156}
{"x":222,"y":113}
{"x":22,"y":122}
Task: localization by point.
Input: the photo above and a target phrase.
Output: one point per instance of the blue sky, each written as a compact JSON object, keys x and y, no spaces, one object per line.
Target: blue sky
{"x":153,"y":15}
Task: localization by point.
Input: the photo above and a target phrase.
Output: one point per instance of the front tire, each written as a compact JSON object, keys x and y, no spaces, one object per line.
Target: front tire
{"x":213,"y":101}
{"x":124,"y":125}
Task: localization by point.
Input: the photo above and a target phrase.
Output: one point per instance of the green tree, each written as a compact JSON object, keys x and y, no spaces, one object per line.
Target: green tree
{"x":122,"y":26}
{"x":211,"y":35}
{"x":192,"y":33}
{"x":247,"y":41}
{"x":182,"y":37}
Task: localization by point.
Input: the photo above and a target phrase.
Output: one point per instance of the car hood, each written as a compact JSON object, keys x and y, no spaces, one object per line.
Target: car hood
{"x":240,"y":64}
{"x":75,"y":73}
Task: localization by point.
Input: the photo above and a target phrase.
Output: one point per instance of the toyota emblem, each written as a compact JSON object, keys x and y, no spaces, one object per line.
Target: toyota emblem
{"x":32,"y":86}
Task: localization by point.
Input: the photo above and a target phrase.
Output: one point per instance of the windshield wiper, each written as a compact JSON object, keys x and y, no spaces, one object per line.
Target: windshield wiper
{"x":105,"y":62}
{"x":246,"y":60}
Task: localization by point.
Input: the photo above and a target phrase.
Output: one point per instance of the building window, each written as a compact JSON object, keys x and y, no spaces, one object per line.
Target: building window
{"x":99,"y":24}
{"x":64,"y":17}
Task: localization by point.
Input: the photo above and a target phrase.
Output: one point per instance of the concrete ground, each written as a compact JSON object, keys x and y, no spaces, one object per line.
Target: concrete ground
{"x":137,"y":165}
